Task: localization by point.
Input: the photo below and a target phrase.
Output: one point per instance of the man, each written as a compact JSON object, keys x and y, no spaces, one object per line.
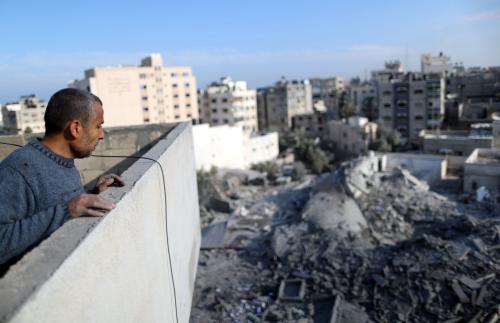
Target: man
{"x":40,"y":188}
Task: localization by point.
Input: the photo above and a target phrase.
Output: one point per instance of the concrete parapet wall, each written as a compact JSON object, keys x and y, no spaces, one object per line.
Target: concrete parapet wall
{"x":117,"y":269}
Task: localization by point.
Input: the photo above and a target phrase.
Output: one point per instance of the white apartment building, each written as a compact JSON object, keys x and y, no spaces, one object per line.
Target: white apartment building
{"x":149,"y":93}
{"x":24,"y":116}
{"x":229,"y":102}
{"x":230,"y":147}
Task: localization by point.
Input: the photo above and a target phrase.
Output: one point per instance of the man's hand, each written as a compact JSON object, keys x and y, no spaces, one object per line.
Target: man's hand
{"x":89,"y":205}
{"x":106,"y":181}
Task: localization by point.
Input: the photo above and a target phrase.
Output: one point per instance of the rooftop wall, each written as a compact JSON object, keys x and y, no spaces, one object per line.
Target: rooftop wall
{"x":117,"y":269}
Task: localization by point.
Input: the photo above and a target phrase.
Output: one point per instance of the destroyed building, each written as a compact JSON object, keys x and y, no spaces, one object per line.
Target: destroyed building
{"x":368,"y":243}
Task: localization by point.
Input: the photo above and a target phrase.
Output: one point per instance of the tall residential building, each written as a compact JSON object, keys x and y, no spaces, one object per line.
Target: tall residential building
{"x":229,"y":102}
{"x":24,"y":116}
{"x":472,"y":96}
{"x":328,"y":90}
{"x":364,"y":99}
{"x":279,"y":103}
{"x":149,"y":93}
{"x":410,"y":103}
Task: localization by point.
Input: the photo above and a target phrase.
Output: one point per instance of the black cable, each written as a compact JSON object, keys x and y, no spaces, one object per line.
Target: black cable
{"x":166,"y":217}
{"x":166,"y":213}
{"x":9,"y":144}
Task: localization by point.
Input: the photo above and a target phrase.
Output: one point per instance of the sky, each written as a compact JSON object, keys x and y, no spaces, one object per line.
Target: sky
{"x":46,"y":44}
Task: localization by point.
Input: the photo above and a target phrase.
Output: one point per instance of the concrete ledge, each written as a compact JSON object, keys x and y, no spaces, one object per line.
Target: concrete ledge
{"x":116,"y":269}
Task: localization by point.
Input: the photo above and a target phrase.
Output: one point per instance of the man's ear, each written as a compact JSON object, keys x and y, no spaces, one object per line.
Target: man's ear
{"x":75,"y":128}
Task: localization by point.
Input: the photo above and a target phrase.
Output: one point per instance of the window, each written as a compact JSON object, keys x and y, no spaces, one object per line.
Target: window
{"x":145,"y":109}
{"x":174,"y":84}
{"x":186,"y":84}
{"x":142,"y":76}
{"x":387,"y":93}
{"x":189,"y":115}
{"x":214,"y":100}
{"x":387,"y":105}
{"x":226,"y":121}
{"x":225,"y":110}
{"x":177,"y":116}
{"x":224,"y":100}
{"x":419,"y":118}
{"x":418,"y":91}
{"x":187,"y":95}
{"x":185,"y":74}
{"x":176,"y":95}
{"x":173,"y":74}
{"x":143,"y":87}
{"x":176,"y":106}
{"x":146,"y":120}
{"x":215,"y":121}
{"x":144,"y":98}
{"x":214,"y":110}
{"x":188,"y":105}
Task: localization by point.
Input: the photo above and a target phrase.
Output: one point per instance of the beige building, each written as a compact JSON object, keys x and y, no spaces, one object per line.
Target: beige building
{"x":279,"y":103}
{"x":352,"y":136}
{"x":313,"y":123}
{"x":229,"y":102}
{"x":24,"y":116}
{"x":149,"y":93}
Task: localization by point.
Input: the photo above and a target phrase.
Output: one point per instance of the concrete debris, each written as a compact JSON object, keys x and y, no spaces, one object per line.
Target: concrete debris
{"x":352,"y":246}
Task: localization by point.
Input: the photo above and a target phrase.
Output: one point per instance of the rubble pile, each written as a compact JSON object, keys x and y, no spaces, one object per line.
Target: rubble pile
{"x":419,"y":257}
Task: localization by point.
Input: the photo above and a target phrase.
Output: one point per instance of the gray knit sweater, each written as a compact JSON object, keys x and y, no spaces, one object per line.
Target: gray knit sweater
{"x":35,"y":187}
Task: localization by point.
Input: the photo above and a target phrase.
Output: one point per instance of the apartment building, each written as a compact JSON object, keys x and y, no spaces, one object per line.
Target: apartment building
{"x":352,"y":136}
{"x":229,"y":102}
{"x":149,"y":93}
{"x":472,"y":96}
{"x":312,"y":123}
{"x":279,"y":103}
{"x":364,"y":99}
{"x":24,"y":116}
{"x":410,"y":103}
{"x":328,"y":90}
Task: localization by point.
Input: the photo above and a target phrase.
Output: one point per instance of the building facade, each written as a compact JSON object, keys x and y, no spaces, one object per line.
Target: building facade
{"x":328,"y":91}
{"x":352,"y":136}
{"x":230,"y":147}
{"x":149,"y":93}
{"x":25,"y":116}
{"x":229,"y":102}
{"x":314,"y":124}
{"x":364,"y":99}
{"x":411,"y":103}
{"x":279,"y":103}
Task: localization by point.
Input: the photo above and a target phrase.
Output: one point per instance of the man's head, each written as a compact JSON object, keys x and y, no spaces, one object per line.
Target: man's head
{"x":77,"y":117}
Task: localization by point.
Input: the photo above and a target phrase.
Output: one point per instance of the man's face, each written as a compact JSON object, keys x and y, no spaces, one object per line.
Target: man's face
{"x":92,"y":133}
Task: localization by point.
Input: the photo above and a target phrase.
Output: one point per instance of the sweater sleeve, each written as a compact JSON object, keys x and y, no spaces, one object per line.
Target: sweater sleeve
{"x":22,"y":226}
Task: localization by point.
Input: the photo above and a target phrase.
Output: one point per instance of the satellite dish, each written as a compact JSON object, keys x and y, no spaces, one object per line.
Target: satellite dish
{"x":495,"y":116}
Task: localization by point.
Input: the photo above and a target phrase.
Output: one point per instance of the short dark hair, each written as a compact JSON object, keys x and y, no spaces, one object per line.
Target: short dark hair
{"x":66,"y":105}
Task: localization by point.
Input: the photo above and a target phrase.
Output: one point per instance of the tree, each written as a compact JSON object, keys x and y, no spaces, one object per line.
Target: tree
{"x":28,"y":131}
